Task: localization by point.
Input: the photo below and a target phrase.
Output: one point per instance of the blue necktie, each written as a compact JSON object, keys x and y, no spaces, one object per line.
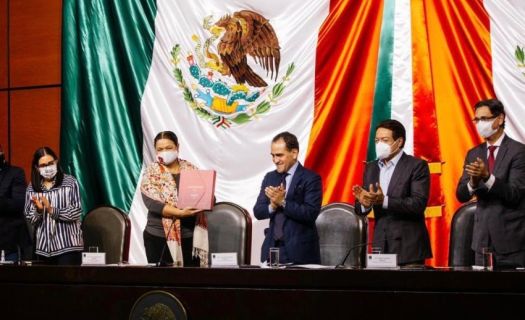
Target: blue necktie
{"x":278,"y":232}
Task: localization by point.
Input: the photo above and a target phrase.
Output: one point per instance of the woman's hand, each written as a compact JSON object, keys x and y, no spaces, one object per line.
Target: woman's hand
{"x":46,"y":204}
{"x":188,"y":212}
{"x":174,"y":212}
{"x":39,"y":206}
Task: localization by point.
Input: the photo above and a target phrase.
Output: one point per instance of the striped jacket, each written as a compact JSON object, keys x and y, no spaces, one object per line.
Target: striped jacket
{"x":58,"y":231}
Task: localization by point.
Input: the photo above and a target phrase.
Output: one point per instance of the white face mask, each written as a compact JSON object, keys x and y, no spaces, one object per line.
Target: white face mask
{"x":485,"y":128}
{"x":48,"y":172}
{"x":167,"y":157}
{"x":383,"y":150}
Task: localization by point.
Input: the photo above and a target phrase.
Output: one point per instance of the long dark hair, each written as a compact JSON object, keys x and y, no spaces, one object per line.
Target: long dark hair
{"x":36,"y":179}
{"x":170,"y":135}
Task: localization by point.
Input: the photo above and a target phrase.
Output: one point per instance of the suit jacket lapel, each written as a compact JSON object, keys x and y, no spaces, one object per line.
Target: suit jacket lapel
{"x":503,"y":148}
{"x":398,"y":171}
{"x":374,"y":174}
{"x":483,"y":152}
{"x":296,"y":177}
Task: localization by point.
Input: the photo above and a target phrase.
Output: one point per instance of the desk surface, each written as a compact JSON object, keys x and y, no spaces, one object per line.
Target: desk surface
{"x":238,"y":293}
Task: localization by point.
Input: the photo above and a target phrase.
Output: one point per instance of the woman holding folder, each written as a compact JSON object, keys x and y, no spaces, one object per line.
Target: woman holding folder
{"x":172,"y":234}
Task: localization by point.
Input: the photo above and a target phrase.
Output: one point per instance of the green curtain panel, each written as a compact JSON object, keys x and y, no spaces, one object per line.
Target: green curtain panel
{"x":105,"y":69}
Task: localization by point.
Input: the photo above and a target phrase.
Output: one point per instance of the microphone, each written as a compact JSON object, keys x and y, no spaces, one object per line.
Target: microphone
{"x":19,"y":261}
{"x":162,"y":263}
{"x":359,"y":245}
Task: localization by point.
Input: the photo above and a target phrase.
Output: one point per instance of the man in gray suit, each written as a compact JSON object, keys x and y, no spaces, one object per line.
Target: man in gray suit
{"x":494,"y":173}
{"x":400,"y":212}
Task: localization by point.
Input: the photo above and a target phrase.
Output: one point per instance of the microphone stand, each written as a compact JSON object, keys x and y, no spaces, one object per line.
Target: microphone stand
{"x":161,"y":262}
{"x":341,"y":265}
{"x":19,"y":261}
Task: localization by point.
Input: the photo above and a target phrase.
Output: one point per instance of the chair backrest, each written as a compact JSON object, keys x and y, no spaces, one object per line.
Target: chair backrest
{"x":109,"y":229}
{"x":230,"y":230}
{"x":460,"y":253}
{"x":340,"y":229}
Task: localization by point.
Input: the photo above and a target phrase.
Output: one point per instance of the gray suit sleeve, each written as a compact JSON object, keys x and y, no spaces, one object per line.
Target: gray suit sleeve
{"x":462,"y":191}
{"x":154,"y":206}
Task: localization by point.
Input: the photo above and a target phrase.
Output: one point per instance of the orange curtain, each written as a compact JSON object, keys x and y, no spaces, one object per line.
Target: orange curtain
{"x":345,"y":78}
{"x":454,"y":62}
{"x":460,"y":59}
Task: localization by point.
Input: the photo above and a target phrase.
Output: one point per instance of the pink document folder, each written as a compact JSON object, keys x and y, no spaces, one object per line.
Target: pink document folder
{"x":196,"y":189}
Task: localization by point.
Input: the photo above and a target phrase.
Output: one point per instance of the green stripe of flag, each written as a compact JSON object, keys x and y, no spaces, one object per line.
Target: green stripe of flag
{"x":382,"y":108}
{"x":107,"y":52}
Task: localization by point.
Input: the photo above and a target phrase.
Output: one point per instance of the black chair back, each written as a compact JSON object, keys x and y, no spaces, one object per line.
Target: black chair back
{"x":341,"y":229}
{"x":109,"y":229}
{"x":230,"y":230}
{"x":461,"y":229}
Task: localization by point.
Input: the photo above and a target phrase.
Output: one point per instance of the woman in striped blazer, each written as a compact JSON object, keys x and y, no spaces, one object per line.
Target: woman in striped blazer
{"x":53,"y":207}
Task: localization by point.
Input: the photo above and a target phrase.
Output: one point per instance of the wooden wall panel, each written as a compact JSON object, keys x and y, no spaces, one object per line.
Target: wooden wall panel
{"x":35,"y":122}
{"x":35,"y":42}
{"x":3,"y":44}
{"x":3,"y":121}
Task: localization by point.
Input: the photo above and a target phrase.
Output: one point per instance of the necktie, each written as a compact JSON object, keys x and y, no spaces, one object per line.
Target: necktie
{"x":491,"y":158}
{"x":278,"y":232}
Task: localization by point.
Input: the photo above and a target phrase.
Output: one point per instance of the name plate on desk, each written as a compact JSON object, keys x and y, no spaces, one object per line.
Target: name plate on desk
{"x":227,"y":259}
{"x":93,"y":258}
{"x":381,"y":261}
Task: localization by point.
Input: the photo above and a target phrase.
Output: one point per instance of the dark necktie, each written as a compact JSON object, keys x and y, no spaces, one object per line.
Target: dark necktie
{"x":278,"y":232}
{"x":491,"y":159}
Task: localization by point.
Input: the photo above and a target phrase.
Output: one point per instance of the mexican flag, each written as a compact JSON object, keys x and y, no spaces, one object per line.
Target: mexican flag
{"x":327,"y":71}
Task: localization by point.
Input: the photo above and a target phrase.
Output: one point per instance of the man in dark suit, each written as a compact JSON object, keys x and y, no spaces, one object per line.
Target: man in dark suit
{"x":13,"y":228}
{"x":494,"y":173}
{"x":291,"y":198}
{"x":400,"y":212}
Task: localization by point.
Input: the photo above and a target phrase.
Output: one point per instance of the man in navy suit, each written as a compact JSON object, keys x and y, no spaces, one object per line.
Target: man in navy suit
{"x":291,"y":198}
{"x":494,"y":173}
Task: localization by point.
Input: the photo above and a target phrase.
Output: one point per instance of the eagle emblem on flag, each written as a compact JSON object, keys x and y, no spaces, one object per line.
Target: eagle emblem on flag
{"x":520,"y":59}
{"x":217,"y":80}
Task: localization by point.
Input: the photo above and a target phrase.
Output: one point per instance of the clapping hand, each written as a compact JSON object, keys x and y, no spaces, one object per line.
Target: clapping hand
{"x":377,"y":196}
{"x":477,"y":170}
{"x":364,"y":197}
{"x":41,"y":204}
{"x":374,"y":196}
{"x":275,"y":195}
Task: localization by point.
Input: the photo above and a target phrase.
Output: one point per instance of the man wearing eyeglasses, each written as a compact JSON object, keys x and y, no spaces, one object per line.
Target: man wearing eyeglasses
{"x":494,"y":173}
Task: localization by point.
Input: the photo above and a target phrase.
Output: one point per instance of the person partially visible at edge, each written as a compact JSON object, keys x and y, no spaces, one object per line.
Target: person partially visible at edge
{"x":396,"y":186}
{"x":183,"y":231}
{"x":14,"y":236}
{"x":290,"y":196}
{"x":494,"y":174}
{"x":53,"y":207}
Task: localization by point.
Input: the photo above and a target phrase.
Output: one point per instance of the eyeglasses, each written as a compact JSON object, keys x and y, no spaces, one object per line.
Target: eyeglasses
{"x":43,"y":165}
{"x":483,"y":119}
